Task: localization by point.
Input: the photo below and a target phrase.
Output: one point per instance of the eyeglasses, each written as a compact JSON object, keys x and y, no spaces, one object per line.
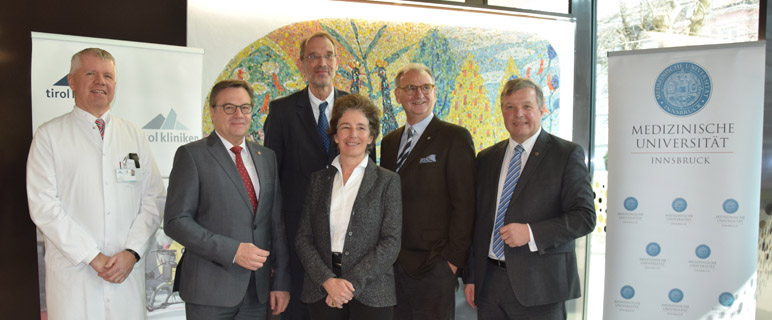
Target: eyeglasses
{"x":411,"y":89}
{"x":230,"y":108}
{"x":316,"y":57}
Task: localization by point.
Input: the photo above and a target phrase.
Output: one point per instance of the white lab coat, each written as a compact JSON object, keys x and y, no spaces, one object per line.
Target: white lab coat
{"x":81,"y":209}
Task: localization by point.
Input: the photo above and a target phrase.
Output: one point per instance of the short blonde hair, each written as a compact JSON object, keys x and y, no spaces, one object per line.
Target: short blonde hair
{"x":97,"y":52}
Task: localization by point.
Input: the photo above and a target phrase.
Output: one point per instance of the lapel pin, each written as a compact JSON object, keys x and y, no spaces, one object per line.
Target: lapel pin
{"x":536,"y":153}
{"x":258,"y":153}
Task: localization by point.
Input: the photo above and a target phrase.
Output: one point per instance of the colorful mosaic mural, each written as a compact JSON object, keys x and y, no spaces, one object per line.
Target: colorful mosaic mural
{"x":470,"y":66}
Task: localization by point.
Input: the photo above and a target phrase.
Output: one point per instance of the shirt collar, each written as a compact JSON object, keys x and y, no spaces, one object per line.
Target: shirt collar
{"x":527,"y":144}
{"x":229,"y":145}
{"x":90,"y":118}
{"x":315,"y":102}
{"x":362,"y":164}
{"x":421,"y":125}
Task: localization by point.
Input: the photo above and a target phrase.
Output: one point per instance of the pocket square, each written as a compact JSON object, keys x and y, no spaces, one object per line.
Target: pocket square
{"x":429,"y":159}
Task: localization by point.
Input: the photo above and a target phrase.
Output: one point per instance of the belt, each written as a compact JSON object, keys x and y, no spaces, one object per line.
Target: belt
{"x":498,"y":263}
{"x":337,"y":264}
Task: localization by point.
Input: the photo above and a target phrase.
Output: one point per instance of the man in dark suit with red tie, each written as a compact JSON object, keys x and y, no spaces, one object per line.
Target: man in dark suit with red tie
{"x":435,"y":162}
{"x":533,"y":200}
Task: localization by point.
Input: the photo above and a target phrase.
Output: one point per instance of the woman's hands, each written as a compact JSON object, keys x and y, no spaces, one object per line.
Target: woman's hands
{"x":339,"y":292}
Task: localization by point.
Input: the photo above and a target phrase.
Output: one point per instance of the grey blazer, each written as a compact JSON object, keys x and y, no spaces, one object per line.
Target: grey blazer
{"x":208,"y":211}
{"x":372,"y":242}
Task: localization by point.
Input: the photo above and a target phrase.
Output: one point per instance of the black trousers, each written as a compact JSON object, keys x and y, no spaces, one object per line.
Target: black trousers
{"x":353,"y":310}
{"x":497,"y":300}
{"x":429,"y":297}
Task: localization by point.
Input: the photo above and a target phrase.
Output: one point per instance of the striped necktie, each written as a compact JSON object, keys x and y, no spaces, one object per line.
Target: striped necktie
{"x":100,"y":123}
{"x":406,"y":149}
{"x":513,"y":174}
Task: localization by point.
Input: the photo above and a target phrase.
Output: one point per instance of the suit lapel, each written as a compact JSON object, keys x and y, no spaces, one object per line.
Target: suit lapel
{"x":534,"y":159}
{"x":326,"y":199}
{"x":220,"y":154}
{"x":392,"y":163}
{"x":492,"y":183}
{"x":368,"y":181}
{"x":306,"y":115}
{"x":260,"y":167}
{"x":427,"y":137}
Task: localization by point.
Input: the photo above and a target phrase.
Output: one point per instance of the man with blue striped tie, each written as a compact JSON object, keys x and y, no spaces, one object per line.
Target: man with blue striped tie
{"x":533,"y":200}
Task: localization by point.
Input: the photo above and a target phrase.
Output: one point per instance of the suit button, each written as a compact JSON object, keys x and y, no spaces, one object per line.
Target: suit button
{"x":254,"y":227}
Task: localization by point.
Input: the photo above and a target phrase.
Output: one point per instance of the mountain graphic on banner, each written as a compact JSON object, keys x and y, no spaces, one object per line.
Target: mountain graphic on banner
{"x":169,"y":122}
{"x":62,"y":82}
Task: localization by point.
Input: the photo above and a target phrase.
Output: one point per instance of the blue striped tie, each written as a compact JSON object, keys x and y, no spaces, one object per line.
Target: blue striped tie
{"x":513,"y":173}
{"x":323,"y":127}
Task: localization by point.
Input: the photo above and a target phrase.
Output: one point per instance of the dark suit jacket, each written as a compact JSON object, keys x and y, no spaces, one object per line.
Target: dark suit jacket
{"x":437,"y":196}
{"x":208,"y":211}
{"x":292,"y":132}
{"x":372,"y":241}
{"x":554,"y":196}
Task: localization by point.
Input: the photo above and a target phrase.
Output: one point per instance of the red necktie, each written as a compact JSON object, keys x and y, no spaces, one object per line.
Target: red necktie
{"x":101,"y":125}
{"x":245,"y":177}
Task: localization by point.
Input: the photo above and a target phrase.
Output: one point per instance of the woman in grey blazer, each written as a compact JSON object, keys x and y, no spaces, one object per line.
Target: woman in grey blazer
{"x":350,"y":230}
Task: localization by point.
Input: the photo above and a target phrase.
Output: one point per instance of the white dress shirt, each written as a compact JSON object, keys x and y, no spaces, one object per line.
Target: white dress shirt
{"x":342,"y":201}
{"x":527,"y":147}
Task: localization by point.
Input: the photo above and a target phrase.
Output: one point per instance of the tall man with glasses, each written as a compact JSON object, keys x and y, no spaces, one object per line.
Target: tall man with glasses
{"x":296,"y":129}
{"x":224,"y":206}
{"x":435,"y":160}
{"x":533,"y":199}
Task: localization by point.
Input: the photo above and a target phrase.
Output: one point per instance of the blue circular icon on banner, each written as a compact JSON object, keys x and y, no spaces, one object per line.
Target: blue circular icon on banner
{"x":653,"y":249}
{"x":731,"y":206}
{"x":631,"y":203}
{"x":679,"y":205}
{"x":627,"y":292}
{"x":702,"y":251}
{"x":726,"y":299}
{"x":683,"y":88}
{"x":676,"y":295}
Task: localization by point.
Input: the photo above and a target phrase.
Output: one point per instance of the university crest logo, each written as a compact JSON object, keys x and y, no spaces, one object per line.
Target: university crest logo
{"x":683,"y":88}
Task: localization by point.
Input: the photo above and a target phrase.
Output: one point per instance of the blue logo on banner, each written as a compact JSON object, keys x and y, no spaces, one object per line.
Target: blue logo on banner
{"x":731,"y":206}
{"x":702,"y":251}
{"x":631,"y":203}
{"x":60,"y":93}
{"x":627,"y":292}
{"x":683,"y":88}
{"x":676,"y":295}
{"x":726,"y":299}
{"x":679,"y":204}
{"x":653,"y":249}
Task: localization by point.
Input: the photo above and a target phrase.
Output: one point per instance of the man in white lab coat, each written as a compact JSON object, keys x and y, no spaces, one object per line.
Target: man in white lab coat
{"x":96,"y":194}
